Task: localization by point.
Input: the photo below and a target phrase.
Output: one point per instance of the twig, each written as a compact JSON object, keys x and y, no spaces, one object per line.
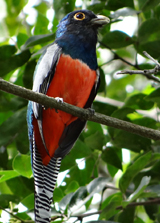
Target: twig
{"x":116,"y":56}
{"x":147,"y":73}
{"x":83,"y":114}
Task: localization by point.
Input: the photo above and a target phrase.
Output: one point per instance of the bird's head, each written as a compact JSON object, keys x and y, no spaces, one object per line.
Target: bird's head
{"x":80,"y":22}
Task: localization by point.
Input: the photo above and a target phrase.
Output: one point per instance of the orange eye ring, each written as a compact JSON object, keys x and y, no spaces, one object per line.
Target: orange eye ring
{"x":79,"y":16}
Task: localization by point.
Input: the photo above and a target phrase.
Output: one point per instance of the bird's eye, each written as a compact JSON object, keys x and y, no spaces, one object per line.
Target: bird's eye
{"x":79,"y":16}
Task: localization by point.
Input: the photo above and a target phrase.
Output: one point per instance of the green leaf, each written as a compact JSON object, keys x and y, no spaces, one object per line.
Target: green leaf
{"x":110,"y":209}
{"x":149,"y":4}
{"x":142,"y":186}
{"x":147,"y":29}
{"x":38,"y":39}
{"x":133,"y":170}
{"x":63,"y":7}
{"x":104,"y":108}
{"x":152,"y":47}
{"x":138,"y":101}
{"x":14,"y":62}
{"x":109,"y":155}
{"x":96,"y":141}
{"x":116,"y":4}
{"x":58,"y":195}
{"x":12,"y":127}
{"x":123,"y":12}
{"x":7,"y":51}
{"x":5,"y":199}
{"x":117,"y":39}
{"x":28,"y":73}
{"x":7,"y":174}
{"x":154,"y":96}
{"x":41,"y":25}
{"x":127,"y":215}
{"x":72,"y":187}
{"x":28,"y":201}
{"x":21,"y":39}
{"x":97,"y":185}
{"x":22,"y":164}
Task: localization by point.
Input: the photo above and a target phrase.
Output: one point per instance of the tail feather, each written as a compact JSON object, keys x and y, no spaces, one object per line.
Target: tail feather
{"x":45,"y":178}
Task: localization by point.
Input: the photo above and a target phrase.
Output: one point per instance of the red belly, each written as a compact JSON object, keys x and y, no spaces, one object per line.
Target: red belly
{"x":72,"y":81}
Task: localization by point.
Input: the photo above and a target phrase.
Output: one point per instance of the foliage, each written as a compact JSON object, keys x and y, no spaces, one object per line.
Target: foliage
{"x":97,"y":181}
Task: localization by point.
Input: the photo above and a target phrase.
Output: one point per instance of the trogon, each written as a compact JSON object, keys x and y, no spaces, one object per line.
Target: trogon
{"x":67,"y":71}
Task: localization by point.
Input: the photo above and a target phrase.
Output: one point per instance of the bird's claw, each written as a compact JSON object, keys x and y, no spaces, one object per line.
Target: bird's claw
{"x":91,"y":111}
{"x":60,"y":100}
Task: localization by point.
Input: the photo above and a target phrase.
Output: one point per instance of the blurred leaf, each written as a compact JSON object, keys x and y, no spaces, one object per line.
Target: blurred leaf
{"x":28,"y":201}
{"x":154,"y":96}
{"x":7,"y":174}
{"x":104,"y":108}
{"x":143,"y":184}
{"x":133,"y":170}
{"x":63,"y":7}
{"x":3,"y":157}
{"x":12,"y":126}
{"x":7,"y":51}
{"x":96,"y":141}
{"x":22,"y":164}
{"x":152,"y":47}
{"x":123,"y":12}
{"x":152,"y":211}
{"x":97,"y":185}
{"x":116,"y":4}
{"x":127,"y":215}
{"x":72,"y":187}
{"x":58,"y":195}
{"x":117,"y":39}
{"x":110,"y":209}
{"x":14,"y":62}
{"x":5,"y":199}
{"x":148,"y":28}
{"x":28,"y":73}
{"x":138,"y":101}
{"x":21,"y":39}
{"x":41,"y":25}
{"x":149,"y":4}
{"x":38,"y":39}
{"x":110,"y":156}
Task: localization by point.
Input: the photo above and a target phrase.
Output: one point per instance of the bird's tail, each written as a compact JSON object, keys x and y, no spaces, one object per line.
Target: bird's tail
{"x":45,"y":178}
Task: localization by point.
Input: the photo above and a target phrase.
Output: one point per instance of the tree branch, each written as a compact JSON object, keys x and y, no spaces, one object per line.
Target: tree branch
{"x":147,"y":73}
{"x":84,"y":114}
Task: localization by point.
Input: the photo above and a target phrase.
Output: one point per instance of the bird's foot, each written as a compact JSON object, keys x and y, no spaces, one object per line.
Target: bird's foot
{"x":59,"y":100}
{"x":91,"y":111}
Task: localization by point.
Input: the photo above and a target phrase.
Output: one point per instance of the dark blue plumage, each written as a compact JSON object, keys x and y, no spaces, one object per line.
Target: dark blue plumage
{"x":67,"y":69}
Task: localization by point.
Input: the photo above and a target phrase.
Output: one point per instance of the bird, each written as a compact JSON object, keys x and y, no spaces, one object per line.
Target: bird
{"x":67,"y":71}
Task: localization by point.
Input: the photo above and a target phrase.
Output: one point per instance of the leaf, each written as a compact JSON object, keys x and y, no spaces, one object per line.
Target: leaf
{"x":110,"y":156}
{"x":28,"y":73}
{"x":138,"y":101}
{"x":110,"y":209}
{"x":154,"y":96}
{"x":38,"y":39}
{"x":152,"y":48}
{"x":96,"y":141}
{"x":63,"y":7}
{"x":127,"y":215}
{"x":123,"y":12}
{"x":97,"y":185}
{"x":5,"y":199}
{"x":72,"y":187}
{"x":28,"y":201}
{"x":41,"y":25}
{"x":14,"y":62}
{"x":116,"y":4}
{"x":7,"y":174}
{"x":22,"y":164}
{"x":117,"y":39}
{"x":142,"y":186}
{"x":133,"y":170}
{"x":7,"y":51}
{"x":12,"y":126}
{"x":147,"y":29}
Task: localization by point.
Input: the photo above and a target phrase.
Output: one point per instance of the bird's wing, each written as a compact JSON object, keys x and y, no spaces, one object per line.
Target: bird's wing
{"x":44,"y":73}
{"x":73,"y":130}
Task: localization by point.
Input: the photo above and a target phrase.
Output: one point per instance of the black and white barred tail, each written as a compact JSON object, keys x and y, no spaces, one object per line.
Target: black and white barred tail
{"x":45,"y":178}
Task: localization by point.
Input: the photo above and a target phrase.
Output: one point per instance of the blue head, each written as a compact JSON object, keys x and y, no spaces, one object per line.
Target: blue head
{"x":77,"y":35}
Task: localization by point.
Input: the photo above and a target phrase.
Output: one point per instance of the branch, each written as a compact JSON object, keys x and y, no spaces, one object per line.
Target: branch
{"x":147,"y":73}
{"x":84,"y":114}
{"x":133,"y":204}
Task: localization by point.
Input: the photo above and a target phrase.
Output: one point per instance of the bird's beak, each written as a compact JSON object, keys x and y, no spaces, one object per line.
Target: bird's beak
{"x":100,"y":20}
